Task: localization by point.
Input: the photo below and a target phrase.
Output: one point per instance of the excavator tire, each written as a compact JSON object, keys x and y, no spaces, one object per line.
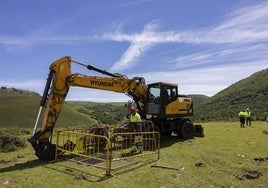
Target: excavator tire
{"x":187,"y":130}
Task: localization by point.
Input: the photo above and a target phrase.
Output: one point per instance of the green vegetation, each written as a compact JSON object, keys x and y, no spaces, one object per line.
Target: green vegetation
{"x":19,"y":108}
{"x":199,"y":100}
{"x":251,"y":92}
{"x":107,"y":113}
{"x":71,"y":118}
{"x":12,"y":92}
{"x":228,"y":156}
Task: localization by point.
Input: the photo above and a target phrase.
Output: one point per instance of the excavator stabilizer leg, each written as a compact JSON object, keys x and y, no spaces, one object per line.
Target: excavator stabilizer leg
{"x":199,"y":131}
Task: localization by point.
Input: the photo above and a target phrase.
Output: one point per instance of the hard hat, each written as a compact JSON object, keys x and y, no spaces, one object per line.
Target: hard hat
{"x":132,"y":110}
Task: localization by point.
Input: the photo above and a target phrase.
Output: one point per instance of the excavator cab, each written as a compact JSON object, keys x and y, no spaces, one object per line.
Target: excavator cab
{"x":169,"y":111}
{"x":159,"y":96}
{"x":165,"y":102}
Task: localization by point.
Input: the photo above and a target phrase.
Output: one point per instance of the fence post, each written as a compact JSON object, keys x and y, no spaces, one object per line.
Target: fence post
{"x":109,"y":157}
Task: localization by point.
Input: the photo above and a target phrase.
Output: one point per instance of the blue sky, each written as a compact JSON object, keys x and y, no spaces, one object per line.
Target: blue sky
{"x":203,"y":46}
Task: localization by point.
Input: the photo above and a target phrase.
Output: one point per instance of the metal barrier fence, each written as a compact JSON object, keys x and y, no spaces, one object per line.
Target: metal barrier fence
{"x":87,"y":148}
{"x":120,"y":147}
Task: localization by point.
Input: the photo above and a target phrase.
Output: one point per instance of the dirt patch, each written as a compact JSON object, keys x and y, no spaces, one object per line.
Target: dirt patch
{"x":251,"y":174}
{"x":262,"y":159}
{"x":5,"y":183}
{"x":200,"y":164}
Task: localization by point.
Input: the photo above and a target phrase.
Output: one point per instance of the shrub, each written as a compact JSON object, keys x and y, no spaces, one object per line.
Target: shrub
{"x":9,"y":142}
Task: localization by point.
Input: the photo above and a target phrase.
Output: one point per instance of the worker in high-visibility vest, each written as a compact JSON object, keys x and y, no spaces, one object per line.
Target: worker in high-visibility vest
{"x":242,"y":118}
{"x":248,"y":120}
{"x":134,"y":116}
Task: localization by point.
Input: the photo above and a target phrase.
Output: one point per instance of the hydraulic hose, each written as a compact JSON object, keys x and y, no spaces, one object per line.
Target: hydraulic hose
{"x":47,"y":87}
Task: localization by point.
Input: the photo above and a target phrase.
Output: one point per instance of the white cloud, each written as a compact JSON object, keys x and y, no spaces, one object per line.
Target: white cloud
{"x":206,"y":81}
{"x":245,"y":25}
{"x":245,"y":18}
{"x":230,"y":50}
{"x":139,"y":44}
{"x":238,"y":54}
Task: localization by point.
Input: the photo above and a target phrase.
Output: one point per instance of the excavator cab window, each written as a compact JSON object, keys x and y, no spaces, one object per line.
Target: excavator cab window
{"x":160,"y":95}
{"x":168,"y":94}
{"x":154,"y":94}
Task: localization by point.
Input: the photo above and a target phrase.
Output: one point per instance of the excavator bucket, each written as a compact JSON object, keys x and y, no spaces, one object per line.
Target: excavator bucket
{"x":47,"y":153}
{"x":44,"y":150}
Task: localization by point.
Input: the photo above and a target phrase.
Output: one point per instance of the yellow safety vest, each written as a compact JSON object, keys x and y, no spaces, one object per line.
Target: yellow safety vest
{"x":242,"y":114}
{"x":247,"y":113}
{"x":135,"y":118}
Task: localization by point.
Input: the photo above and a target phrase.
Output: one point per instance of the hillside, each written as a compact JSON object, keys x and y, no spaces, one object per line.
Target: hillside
{"x":251,"y":92}
{"x":20,"y":108}
{"x":198,"y":100}
{"x":107,"y":113}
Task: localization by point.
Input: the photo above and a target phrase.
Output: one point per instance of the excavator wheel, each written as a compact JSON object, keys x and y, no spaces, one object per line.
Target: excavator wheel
{"x":187,"y":130}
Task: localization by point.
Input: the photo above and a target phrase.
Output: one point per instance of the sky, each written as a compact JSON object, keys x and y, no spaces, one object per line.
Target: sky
{"x":203,"y":46}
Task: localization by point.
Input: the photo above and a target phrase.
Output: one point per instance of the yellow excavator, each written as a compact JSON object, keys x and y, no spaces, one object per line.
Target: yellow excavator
{"x":158,"y":102}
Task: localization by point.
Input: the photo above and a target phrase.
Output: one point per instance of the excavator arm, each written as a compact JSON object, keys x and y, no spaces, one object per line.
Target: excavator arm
{"x":60,"y":79}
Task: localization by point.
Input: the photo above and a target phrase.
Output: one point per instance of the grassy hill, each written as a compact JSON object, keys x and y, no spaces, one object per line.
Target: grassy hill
{"x":107,"y":113}
{"x":251,"y":92}
{"x":20,"y":108}
{"x":198,"y":100}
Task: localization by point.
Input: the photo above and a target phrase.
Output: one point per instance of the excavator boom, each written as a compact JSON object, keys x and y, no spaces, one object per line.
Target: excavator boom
{"x":59,"y":81}
{"x":158,"y":102}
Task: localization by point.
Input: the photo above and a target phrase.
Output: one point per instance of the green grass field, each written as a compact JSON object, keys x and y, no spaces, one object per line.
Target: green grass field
{"x":228,"y":156}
